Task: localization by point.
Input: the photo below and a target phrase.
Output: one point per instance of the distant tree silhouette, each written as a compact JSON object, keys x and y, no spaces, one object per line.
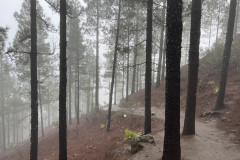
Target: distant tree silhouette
{"x":114,"y":68}
{"x":226,"y":55}
{"x":172,"y":149}
{"x":189,"y":122}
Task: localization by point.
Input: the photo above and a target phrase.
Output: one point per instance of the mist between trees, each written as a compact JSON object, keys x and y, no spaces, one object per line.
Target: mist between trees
{"x":134,"y":36}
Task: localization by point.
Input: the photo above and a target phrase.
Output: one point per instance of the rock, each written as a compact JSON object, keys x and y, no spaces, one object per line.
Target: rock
{"x":136,"y":142}
{"x":146,"y":139}
{"x":135,"y":145}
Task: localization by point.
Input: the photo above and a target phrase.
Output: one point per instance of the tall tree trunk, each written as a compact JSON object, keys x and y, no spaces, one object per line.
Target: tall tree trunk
{"x":128,"y":56}
{"x":210,"y":30}
{"x":63,"y":84}
{"x":226,"y":55}
{"x":70,"y":91}
{"x":148,"y":71}
{"x":88,"y":93}
{"x":48,"y":107}
{"x":78,"y":87}
{"x":218,"y":21}
{"x":161,"y":45}
{"x":97,"y":59}
{"x":135,"y":51}
{"x":123,"y":76}
{"x":137,"y":86}
{"x":171,"y":148}
{"x":115,"y":93}
{"x":8,"y":129}
{"x":164,"y":60}
{"x":114,"y":68}
{"x":2,"y":104}
{"x":40,"y":105}
{"x":236,"y":19}
{"x":14,"y":124}
{"x":153,"y":68}
{"x":34,"y":88}
{"x":189,"y":122}
{"x":92,"y":99}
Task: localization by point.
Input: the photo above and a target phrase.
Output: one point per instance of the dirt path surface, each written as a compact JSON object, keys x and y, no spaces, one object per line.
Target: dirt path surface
{"x":209,"y":143}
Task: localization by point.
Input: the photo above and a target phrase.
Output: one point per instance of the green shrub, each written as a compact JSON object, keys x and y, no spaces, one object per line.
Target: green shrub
{"x":102,"y":126}
{"x":130,"y":134}
{"x":211,"y":82}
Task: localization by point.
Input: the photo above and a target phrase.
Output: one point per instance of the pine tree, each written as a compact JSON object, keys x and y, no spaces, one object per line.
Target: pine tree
{"x":226,"y":56}
{"x":171,"y":148}
{"x":34,"y":91}
{"x":63,"y":83}
{"x":189,"y":123}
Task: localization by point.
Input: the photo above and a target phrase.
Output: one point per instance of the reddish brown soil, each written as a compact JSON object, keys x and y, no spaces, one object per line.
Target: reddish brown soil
{"x":86,"y":141}
{"x":229,"y":118}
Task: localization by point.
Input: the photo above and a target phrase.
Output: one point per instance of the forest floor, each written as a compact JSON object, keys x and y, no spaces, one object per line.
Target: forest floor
{"x":217,"y":136}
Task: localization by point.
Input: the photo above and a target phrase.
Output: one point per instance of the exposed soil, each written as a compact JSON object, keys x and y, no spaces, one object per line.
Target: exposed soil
{"x":88,"y":141}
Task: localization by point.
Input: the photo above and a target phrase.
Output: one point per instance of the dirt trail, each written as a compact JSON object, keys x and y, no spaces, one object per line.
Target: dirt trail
{"x":209,"y":143}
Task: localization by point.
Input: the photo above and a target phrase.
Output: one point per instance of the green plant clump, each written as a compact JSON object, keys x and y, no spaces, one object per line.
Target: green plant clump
{"x":211,"y":82}
{"x":130,"y":134}
{"x":102,"y":126}
{"x":216,"y":90}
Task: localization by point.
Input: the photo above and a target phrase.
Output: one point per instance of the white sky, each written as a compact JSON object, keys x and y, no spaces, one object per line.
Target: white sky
{"x":7,"y":9}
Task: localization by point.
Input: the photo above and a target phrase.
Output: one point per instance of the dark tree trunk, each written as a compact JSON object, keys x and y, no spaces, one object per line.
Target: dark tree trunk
{"x":34,"y":88}
{"x":114,"y":68}
{"x":97,"y":59}
{"x":135,"y":51}
{"x":226,"y":55}
{"x":171,"y":148}
{"x":148,"y":71}
{"x":161,"y":46}
{"x":70,"y":91}
{"x":189,"y":122}
{"x":63,"y":84}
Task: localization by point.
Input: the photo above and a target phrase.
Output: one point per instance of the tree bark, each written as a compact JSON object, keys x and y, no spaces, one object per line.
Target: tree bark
{"x":115,"y":93}
{"x":34,"y":88}
{"x":40,"y":105}
{"x":148,"y":71}
{"x":135,"y":51}
{"x":226,"y":55}
{"x":114,"y":68}
{"x":78,"y":87}
{"x":236,"y":19}
{"x":2,"y":104}
{"x":97,"y":59}
{"x":164,"y":60}
{"x":171,"y":149}
{"x":161,"y":46}
{"x":123,"y":76}
{"x":189,"y":122}
{"x":70,"y":91}
{"x":63,"y":84}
